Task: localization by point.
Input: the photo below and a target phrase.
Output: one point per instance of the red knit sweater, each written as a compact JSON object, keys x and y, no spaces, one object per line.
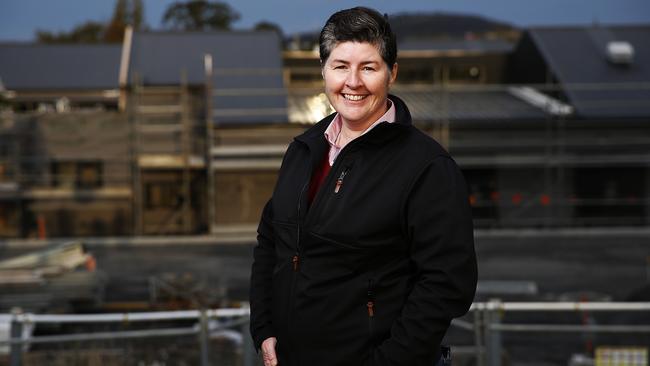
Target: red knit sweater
{"x":318,"y":177}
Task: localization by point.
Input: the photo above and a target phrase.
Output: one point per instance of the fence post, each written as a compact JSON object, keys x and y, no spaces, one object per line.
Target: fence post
{"x":248,"y":349}
{"x":16,"y":334}
{"x":204,"y":337}
{"x":493,"y":341}
{"x":478,"y":336}
{"x":487,"y":344}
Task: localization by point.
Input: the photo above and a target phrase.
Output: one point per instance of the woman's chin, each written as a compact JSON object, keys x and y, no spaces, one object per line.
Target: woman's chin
{"x":354,"y":119}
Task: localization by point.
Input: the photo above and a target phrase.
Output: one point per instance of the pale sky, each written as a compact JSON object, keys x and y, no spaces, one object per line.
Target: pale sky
{"x":19,"y":19}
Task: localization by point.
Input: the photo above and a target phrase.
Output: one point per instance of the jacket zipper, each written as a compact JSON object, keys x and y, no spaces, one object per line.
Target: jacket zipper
{"x":339,"y":181}
{"x":370,"y":304}
{"x":295,"y":260}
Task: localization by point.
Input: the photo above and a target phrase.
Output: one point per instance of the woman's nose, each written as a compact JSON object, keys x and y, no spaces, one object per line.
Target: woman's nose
{"x":353,"y":81}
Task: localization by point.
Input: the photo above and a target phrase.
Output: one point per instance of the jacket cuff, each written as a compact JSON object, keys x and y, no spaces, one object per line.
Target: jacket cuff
{"x":260,"y":336}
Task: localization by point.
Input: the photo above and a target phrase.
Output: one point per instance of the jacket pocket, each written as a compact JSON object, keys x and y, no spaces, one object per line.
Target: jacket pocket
{"x":332,"y":260}
{"x":370,"y":305}
{"x":284,"y":235}
{"x":336,"y":243}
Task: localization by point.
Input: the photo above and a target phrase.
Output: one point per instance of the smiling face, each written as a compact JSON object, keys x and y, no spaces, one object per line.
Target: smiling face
{"x":356,"y":83}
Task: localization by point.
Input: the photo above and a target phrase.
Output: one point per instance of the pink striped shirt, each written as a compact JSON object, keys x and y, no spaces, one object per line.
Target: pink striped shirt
{"x":334,"y":129}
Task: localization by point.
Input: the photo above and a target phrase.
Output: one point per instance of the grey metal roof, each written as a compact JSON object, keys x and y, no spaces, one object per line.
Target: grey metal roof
{"x":467,"y":105}
{"x":247,"y":81}
{"x":160,"y":57}
{"x":30,"y":66}
{"x":430,"y":105}
{"x":595,"y":86}
{"x":479,"y":45}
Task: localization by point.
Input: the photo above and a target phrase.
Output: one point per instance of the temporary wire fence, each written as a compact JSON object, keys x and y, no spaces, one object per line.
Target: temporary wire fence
{"x":493,"y":333}
{"x":553,"y":332}
{"x":193,"y":337}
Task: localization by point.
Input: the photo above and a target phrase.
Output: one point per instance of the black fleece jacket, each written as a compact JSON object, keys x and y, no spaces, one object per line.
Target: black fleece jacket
{"x":373,"y":272}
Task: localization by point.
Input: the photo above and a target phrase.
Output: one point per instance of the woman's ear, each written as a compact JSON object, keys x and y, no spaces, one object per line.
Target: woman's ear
{"x":393,"y":74}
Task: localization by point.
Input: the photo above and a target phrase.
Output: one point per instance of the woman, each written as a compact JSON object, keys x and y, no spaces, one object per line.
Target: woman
{"x":365,"y":251}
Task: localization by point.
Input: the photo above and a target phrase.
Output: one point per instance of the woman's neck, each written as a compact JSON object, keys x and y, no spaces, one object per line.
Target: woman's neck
{"x":350,"y":131}
{"x":358,"y":128}
{"x":346,"y":135}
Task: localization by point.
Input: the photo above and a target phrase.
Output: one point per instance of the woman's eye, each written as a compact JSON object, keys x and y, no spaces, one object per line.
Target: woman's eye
{"x":339,"y":67}
{"x":368,"y":68}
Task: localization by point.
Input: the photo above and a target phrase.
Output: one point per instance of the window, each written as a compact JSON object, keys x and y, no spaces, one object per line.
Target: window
{"x":63,"y":174}
{"x":609,"y":196}
{"x":4,"y":219}
{"x":89,"y":175}
{"x":465,"y":74}
{"x":162,"y":194}
{"x":68,"y":174}
{"x":305,"y":76}
{"x":483,"y":195}
{"x":416,"y":75}
{"x":9,"y":213}
{"x":5,"y":173}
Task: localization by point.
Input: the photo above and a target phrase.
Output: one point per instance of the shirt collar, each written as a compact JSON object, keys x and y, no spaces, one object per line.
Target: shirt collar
{"x":334,"y":128}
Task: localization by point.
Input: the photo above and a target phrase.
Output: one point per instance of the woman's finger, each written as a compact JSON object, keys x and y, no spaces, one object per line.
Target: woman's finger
{"x":269,"y":358}
{"x":268,"y":352}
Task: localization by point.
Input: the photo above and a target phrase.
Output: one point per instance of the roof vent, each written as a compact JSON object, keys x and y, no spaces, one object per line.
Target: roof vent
{"x":620,"y":52}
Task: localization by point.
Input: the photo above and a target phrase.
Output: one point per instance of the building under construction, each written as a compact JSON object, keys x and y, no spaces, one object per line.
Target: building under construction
{"x":183,"y":133}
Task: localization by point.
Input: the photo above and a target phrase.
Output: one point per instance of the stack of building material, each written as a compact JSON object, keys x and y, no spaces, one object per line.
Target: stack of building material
{"x":55,"y":278}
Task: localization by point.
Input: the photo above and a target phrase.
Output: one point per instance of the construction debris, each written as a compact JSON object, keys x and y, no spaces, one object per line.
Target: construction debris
{"x":58,"y":277}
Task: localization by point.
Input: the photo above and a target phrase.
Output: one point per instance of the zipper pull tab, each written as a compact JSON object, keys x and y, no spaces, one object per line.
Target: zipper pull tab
{"x":339,"y":181}
{"x":295,"y":261}
{"x":371,"y":300}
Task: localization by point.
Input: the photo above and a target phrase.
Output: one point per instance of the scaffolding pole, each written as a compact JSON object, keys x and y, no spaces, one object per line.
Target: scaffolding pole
{"x":185,"y":151}
{"x":209,"y":140}
{"x":132,"y":109}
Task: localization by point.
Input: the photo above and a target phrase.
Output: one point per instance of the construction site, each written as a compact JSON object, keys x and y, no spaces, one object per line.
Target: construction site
{"x":132,"y":178}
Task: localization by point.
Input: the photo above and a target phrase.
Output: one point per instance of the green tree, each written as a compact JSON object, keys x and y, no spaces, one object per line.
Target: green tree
{"x":88,"y":32}
{"x":126,"y":12}
{"x":115,"y":28}
{"x":199,"y":15}
{"x":264,"y":25}
{"x":137,"y":14}
{"x":268,"y":26}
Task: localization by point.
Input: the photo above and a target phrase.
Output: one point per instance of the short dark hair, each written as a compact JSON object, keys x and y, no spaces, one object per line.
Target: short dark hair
{"x":359,"y":24}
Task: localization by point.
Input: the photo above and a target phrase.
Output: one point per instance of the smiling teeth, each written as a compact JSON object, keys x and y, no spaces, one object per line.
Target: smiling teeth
{"x":353,"y":97}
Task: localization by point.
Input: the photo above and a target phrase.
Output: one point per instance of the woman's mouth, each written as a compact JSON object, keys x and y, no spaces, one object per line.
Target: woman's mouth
{"x":354,"y":97}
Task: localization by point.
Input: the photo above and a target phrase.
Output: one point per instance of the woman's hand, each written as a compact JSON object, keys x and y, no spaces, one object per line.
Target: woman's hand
{"x":268,"y":352}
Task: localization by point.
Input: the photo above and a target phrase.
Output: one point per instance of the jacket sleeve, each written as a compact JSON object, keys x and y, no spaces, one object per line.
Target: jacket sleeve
{"x":261,"y":326}
{"x":439,"y":225}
